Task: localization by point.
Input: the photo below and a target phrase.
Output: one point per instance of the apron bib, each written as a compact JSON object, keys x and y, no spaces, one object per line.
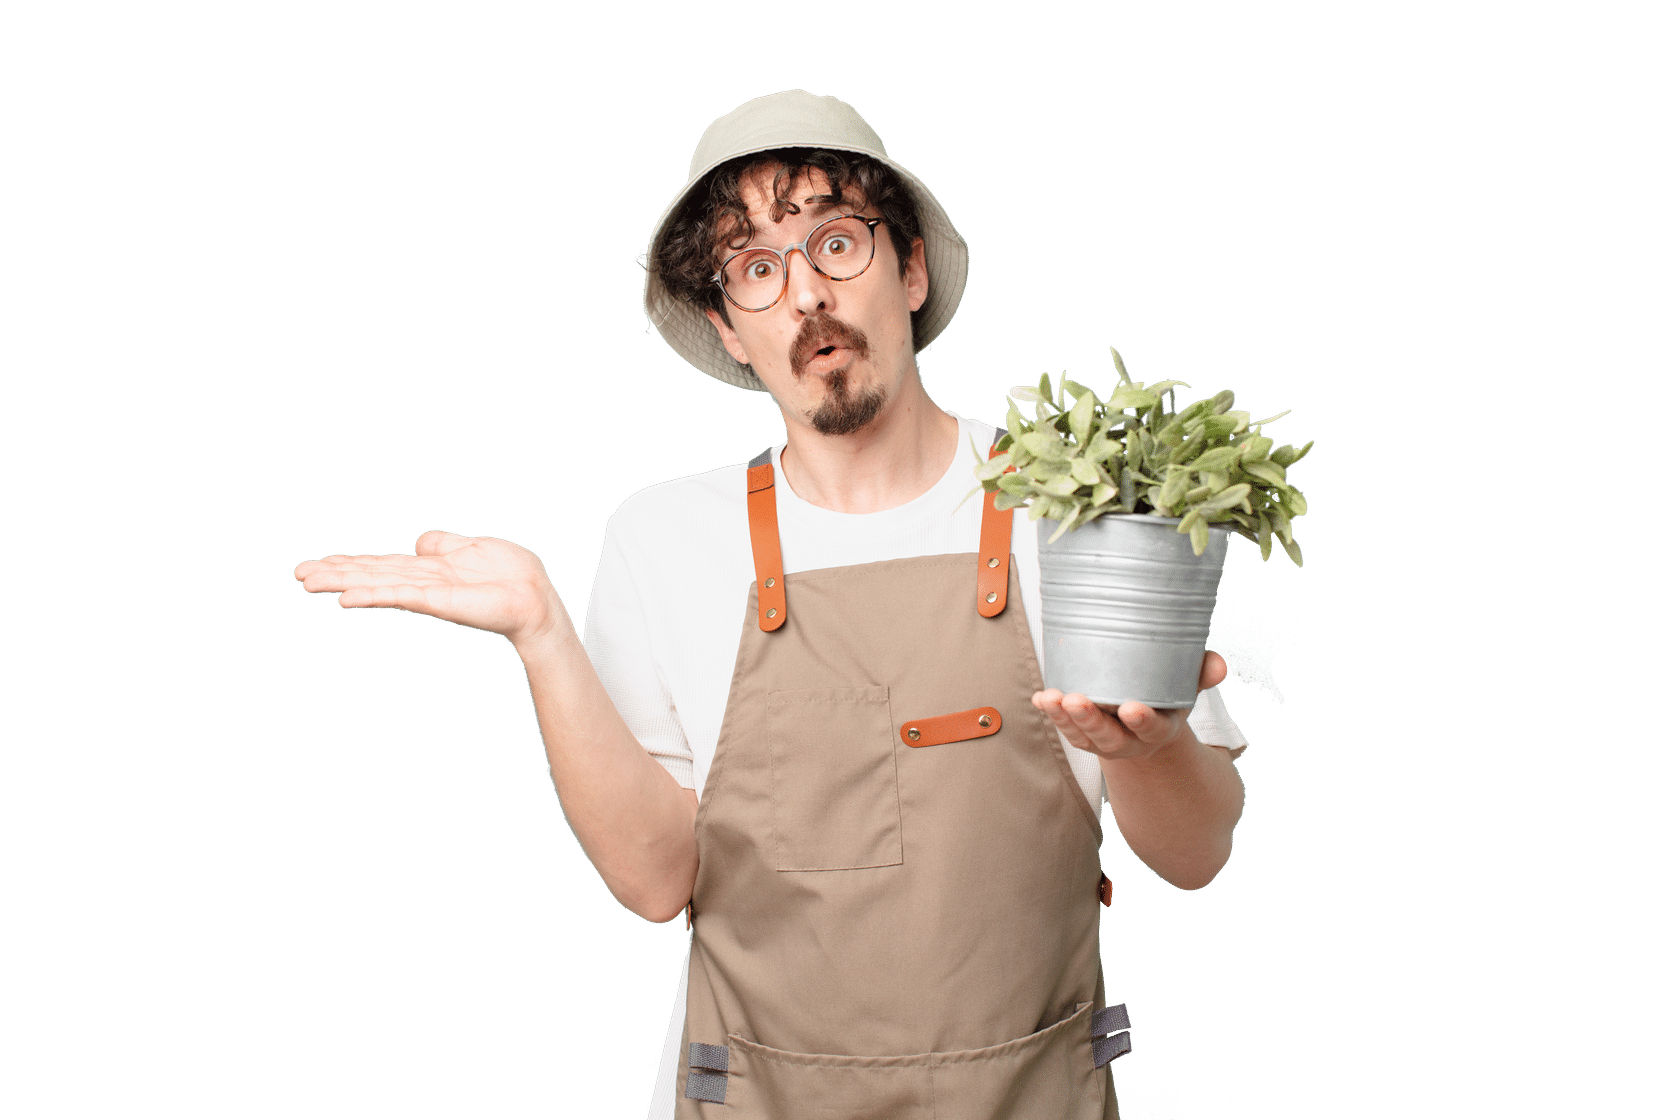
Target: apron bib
{"x":895,"y":916}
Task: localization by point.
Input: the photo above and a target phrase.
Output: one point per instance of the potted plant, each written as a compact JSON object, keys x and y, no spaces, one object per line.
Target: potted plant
{"x":1135,"y":500}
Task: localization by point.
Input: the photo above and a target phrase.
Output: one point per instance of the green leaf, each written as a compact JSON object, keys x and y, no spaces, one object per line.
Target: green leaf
{"x":1102,"y":493}
{"x":1083,"y":416}
{"x":1025,"y":392}
{"x":1044,"y":392}
{"x":1015,"y":484}
{"x":1216,"y":459}
{"x":1185,"y":451}
{"x":1198,"y":536}
{"x":1103,"y":449}
{"x":992,"y":468}
{"x":1014,"y":421}
{"x":1174,"y":491}
{"x":1295,"y":501}
{"x":1073,"y":388}
{"x":1086,"y":472}
{"x":1263,"y":538}
{"x":1294,"y":550}
{"x":1119,"y":366}
{"x":1268,"y":472}
{"x":1226,"y":498}
{"x":1062,"y":486}
{"x":1010,"y":501}
{"x":1280,"y":524}
{"x":1141,"y":440}
{"x":1161,"y":387}
{"x":1289,"y":454}
{"x":1125,"y":397}
{"x":1067,"y":523}
{"x":1255,"y":448}
{"x":1222,"y":401}
{"x":1045,"y":445}
{"x":1195,"y":496}
{"x":1128,"y":492}
{"x":1269,"y":419}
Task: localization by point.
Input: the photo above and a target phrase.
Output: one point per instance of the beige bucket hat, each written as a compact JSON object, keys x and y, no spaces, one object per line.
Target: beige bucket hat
{"x":796,"y":119}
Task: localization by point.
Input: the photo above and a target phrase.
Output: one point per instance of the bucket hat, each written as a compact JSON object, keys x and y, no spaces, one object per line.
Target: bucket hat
{"x":796,"y":119}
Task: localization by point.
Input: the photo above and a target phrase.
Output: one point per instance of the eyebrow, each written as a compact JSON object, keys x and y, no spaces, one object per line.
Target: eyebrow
{"x":808,"y":208}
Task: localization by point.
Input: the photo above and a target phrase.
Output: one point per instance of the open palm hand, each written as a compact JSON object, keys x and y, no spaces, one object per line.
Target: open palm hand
{"x":482,"y":582}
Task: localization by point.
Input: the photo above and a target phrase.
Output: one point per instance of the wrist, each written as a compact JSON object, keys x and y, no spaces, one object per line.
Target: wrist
{"x":547,"y":632}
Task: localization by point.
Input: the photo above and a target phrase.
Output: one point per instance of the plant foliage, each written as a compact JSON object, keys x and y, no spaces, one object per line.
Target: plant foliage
{"x":1134,"y":453}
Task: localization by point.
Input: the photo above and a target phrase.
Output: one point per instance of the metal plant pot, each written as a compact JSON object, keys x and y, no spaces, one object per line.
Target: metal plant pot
{"x":1127,"y":604}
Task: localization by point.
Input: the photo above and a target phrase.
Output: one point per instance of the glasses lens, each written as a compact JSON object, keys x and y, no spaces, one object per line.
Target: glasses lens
{"x":753,"y":279}
{"x":841,"y":248}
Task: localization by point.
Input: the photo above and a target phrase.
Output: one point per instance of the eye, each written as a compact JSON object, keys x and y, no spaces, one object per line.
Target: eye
{"x":760,"y":270}
{"x":836,"y":245}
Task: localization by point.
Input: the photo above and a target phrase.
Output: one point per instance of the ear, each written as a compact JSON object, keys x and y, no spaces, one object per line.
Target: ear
{"x":731,"y":341}
{"x":916,"y":275}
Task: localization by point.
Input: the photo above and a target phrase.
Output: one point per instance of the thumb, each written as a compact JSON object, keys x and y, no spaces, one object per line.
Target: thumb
{"x":437,"y":542}
{"x":1213,"y":670}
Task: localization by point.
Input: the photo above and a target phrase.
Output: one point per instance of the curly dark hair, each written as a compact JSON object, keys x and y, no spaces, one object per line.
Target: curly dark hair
{"x":713,"y":219}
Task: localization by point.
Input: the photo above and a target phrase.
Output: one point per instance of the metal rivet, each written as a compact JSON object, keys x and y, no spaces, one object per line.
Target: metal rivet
{"x":913,"y":734}
{"x":771,"y":613}
{"x":770,"y":581}
{"x":992,"y":563}
{"x":985,"y":721}
{"x":991,"y":596}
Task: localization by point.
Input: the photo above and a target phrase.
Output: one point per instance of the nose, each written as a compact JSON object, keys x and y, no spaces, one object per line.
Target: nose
{"x":808,"y":290}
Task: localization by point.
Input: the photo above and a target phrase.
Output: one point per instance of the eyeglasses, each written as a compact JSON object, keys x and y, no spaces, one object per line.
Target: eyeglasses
{"x":841,"y":249}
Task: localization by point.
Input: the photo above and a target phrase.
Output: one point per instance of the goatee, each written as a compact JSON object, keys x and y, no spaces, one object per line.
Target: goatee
{"x":841,"y":412}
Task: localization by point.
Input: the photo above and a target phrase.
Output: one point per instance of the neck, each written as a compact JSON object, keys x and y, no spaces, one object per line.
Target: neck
{"x":896,"y":459}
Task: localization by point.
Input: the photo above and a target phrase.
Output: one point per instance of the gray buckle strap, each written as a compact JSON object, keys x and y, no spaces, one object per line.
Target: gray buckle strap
{"x":708,"y":1073}
{"x":1105,"y":1045}
{"x":1109,"y":1020}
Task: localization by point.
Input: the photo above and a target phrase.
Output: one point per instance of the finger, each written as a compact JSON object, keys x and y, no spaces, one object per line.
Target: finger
{"x":406,"y":596}
{"x":342,"y":561}
{"x":436,"y":542}
{"x":1151,"y":725}
{"x":318,"y":575}
{"x":1051,"y":702}
{"x":343,"y":579}
{"x":1213,"y":670}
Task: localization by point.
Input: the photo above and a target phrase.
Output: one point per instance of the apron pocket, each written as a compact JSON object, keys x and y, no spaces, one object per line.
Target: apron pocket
{"x":1048,"y":1074}
{"x":833,"y":779}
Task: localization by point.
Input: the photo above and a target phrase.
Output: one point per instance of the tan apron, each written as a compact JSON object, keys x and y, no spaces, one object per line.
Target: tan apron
{"x":895,"y":916}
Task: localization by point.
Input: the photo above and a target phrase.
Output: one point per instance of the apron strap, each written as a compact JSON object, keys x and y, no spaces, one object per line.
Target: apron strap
{"x":992,"y":592}
{"x":766,"y":541}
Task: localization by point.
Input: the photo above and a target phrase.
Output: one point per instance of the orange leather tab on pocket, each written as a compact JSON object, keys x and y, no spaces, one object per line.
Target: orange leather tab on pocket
{"x":976,"y":723}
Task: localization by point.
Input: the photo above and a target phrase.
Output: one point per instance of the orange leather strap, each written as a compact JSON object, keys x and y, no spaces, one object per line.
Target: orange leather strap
{"x":766,"y":542}
{"x":976,"y":723}
{"x":992,"y":590}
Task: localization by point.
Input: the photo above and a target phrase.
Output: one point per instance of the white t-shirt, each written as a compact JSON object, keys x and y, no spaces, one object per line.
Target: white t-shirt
{"x":670,"y":599}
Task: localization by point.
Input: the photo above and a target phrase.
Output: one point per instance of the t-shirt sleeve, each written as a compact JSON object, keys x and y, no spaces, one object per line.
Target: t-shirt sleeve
{"x":619,"y":644}
{"x":1213,"y":725}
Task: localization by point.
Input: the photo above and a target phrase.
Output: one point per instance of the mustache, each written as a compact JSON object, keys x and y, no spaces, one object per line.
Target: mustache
{"x":822,"y":326}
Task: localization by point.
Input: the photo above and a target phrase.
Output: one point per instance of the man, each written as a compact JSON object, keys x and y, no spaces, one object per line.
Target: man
{"x":893,"y":878}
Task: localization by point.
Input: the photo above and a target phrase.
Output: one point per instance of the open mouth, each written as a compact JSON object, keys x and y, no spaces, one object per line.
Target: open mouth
{"x":825,"y":343}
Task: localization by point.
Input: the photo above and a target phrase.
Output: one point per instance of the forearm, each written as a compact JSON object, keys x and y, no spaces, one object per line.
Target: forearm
{"x":1177,"y":808}
{"x":634,"y":821}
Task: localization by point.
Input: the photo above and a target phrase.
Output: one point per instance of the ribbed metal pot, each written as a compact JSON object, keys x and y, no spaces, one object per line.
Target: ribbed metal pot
{"x":1127,"y":604}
